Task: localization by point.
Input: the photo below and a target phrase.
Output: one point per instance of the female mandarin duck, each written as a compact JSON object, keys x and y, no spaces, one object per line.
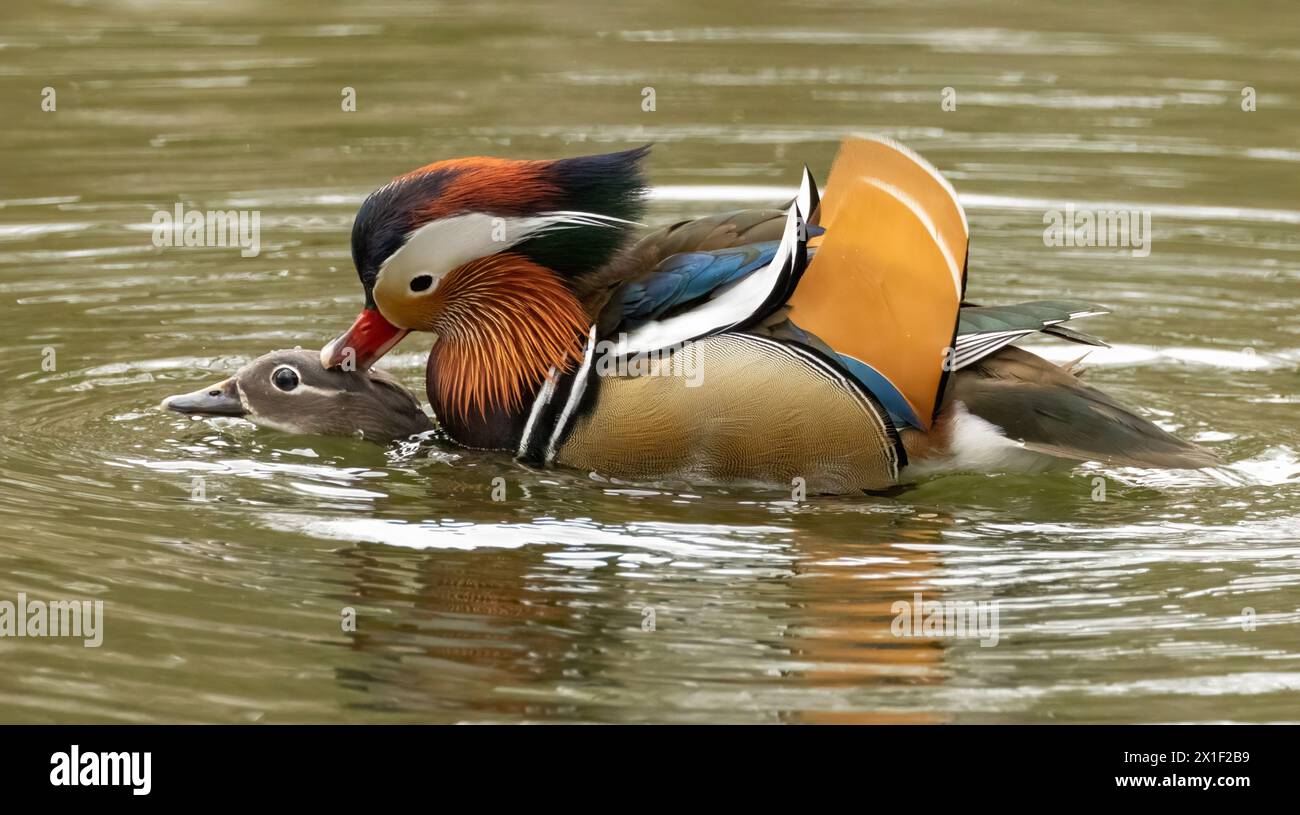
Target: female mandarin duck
{"x":828,"y":342}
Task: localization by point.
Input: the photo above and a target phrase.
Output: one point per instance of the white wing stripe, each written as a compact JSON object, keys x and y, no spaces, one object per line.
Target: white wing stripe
{"x":539,"y":404}
{"x":734,"y":305}
{"x":575,"y":396}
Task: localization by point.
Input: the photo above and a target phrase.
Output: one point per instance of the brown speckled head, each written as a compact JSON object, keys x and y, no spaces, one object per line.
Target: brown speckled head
{"x":290,"y":391}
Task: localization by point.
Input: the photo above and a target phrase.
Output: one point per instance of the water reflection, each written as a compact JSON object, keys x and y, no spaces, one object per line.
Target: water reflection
{"x":530,"y":611}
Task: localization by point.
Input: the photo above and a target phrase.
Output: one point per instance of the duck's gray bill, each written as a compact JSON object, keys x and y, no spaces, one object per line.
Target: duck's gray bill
{"x":221,"y":399}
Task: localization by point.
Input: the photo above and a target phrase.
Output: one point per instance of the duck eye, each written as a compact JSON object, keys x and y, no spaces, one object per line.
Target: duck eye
{"x":286,"y":379}
{"x":421,"y":283}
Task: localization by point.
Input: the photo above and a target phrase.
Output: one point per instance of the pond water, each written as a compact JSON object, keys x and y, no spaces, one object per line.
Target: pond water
{"x":1175,"y":599}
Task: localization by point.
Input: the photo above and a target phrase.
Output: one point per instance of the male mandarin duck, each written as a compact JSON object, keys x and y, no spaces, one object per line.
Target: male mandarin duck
{"x":828,"y":341}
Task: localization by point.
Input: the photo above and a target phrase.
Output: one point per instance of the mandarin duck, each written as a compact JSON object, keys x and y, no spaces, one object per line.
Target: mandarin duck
{"x":828,"y":341}
{"x":291,"y":392}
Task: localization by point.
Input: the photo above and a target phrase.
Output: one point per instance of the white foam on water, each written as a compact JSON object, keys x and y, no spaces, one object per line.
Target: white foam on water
{"x":1277,"y":465}
{"x":1237,"y":684}
{"x":324,"y":491}
{"x":1246,"y":359}
{"x":1194,"y":212}
{"x":671,"y":542}
{"x":263,"y":470}
{"x":23,"y":231}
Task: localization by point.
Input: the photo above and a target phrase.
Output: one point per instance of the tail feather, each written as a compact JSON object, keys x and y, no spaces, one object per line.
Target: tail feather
{"x":1075,"y":335}
{"x":982,"y":330}
{"x":1050,"y":411}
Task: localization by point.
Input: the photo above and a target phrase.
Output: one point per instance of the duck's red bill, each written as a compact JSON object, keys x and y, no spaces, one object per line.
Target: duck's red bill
{"x":369,"y":338}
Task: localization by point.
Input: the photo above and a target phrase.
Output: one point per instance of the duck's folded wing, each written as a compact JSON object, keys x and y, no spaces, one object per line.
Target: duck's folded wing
{"x":680,"y":282}
{"x":1049,"y":410}
{"x":696,"y":294}
{"x":725,"y":230}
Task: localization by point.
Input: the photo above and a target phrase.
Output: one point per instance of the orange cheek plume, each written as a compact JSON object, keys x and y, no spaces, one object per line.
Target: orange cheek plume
{"x":503,"y":322}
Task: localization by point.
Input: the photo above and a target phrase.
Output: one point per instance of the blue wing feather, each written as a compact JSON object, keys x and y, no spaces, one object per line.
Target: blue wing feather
{"x":688,"y":277}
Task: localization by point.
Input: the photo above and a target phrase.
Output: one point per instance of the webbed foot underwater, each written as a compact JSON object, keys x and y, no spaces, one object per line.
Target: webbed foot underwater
{"x":290,"y":391}
{"x":829,"y":341}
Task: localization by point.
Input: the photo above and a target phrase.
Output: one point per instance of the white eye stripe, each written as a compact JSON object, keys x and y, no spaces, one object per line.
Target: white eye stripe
{"x":302,"y":387}
{"x":315,"y":391}
{"x":447,"y":243}
{"x":440,"y":246}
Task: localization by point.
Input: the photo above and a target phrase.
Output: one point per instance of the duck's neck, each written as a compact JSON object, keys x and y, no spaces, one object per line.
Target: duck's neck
{"x":501,"y":425}
{"x":502,"y":322}
{"x":506,"y":326}
{"x":497,"y":427}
